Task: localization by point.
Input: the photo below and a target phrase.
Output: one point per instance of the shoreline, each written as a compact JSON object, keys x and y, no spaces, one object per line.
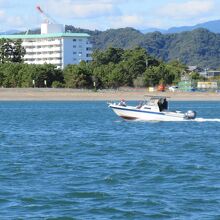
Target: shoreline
{"x":130,"y":94}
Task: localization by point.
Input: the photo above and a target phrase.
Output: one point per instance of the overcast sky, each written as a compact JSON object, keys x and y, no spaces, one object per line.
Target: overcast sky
{"x":105,"y":14}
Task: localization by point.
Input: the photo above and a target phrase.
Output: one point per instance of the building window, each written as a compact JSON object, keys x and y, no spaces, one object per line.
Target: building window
{"x":74,"y":39}
{"x":74,"y":46}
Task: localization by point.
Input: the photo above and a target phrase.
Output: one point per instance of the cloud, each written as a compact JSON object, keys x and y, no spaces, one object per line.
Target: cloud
{"x":105,"y":14}
{"x":15,"y":21}
{"x":7,"y":4}
{"x":11,"y":21}
{"x":2,"y":13}
{"x":190,"y":8}
{"x":2,"y":2}
{"x":2,"y":16}
{"x":127,"y":21}
{"x":82,"y":9}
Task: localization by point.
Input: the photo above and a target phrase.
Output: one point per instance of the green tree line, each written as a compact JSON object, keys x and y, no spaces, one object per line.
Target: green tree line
{"x":111,"y":68}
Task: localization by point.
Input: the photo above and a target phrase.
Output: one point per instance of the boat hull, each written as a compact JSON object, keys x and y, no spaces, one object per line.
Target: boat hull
{"x":132,"y":113}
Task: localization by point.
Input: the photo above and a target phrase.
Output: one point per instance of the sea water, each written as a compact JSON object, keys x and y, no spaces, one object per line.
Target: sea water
{"x":78,"y":160}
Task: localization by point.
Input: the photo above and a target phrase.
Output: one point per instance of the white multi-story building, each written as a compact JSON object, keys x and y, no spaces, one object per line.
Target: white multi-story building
{"x":54,"y":46}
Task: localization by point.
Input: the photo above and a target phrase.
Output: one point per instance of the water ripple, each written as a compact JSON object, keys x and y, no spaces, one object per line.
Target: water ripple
{"x":59,"y":162}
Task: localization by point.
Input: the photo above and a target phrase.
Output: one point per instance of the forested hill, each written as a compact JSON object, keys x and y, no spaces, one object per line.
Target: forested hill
{"x":199,"y":47}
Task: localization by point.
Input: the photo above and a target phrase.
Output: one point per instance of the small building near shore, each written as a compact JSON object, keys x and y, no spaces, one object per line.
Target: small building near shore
{"x":186,"y":86}
{"x":207,"y":85}
{"x":210,"y":73}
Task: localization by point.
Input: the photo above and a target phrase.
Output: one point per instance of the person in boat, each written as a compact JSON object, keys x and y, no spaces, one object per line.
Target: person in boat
{"x":159,"y":103}
{"x":163,"y":104}
{"x":122,"y":103}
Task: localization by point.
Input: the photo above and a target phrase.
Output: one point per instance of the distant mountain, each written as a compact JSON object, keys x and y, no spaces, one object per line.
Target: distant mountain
{"x":199,"y":47}
{"x":9,"y":32}
{"x":213,"y":26}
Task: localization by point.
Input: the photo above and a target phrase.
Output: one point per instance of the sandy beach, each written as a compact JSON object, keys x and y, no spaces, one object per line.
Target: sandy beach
{"x":51,"y":94}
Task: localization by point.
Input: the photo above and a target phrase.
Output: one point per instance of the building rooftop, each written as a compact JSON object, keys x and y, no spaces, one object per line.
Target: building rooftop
{"x":35,"y":36}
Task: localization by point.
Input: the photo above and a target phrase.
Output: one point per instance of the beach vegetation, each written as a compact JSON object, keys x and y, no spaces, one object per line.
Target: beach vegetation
{"x":78,"y":76}
{"x":29,"y":75}
{"x":111,"y":68}
{"x":57,"y":84}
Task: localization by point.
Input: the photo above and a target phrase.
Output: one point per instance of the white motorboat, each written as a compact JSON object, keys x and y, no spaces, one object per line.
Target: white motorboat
{"x":154,"y":109}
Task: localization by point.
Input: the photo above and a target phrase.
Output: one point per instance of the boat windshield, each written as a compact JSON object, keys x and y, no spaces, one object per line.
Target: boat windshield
{"x":152,"y":101}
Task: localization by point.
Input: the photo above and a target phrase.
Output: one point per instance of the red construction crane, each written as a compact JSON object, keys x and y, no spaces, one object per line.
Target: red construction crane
{"x":48,"y":18}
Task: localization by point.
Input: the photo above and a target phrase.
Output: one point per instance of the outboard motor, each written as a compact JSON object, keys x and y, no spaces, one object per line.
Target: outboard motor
{"x":190,"y":114}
